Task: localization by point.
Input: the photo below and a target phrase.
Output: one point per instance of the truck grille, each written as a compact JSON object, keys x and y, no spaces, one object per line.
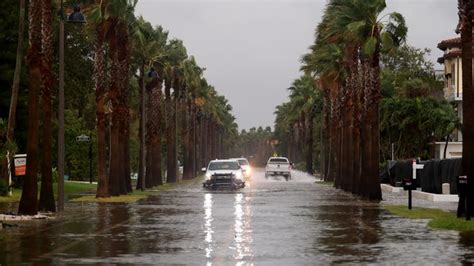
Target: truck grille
{"x":222,"y":179}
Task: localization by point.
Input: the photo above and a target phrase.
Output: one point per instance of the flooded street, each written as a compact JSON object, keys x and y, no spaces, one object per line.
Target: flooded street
{"x":269,"y":222}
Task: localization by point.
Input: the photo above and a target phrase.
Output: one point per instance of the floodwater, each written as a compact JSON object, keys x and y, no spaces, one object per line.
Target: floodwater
{"x":270,"y":222}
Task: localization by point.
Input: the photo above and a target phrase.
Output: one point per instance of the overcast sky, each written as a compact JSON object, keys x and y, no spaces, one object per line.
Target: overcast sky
{"x":251,"y":48}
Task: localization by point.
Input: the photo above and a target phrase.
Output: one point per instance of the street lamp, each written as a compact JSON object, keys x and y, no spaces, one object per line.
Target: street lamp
{"x":75,"y":17}
{"x":88,"y":139}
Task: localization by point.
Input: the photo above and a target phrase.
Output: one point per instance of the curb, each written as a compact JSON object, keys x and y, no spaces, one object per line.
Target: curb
{"x":420,"y":194}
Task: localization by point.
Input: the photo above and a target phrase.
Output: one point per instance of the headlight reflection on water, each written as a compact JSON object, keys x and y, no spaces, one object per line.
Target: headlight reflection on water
{"x":208,"y":223}
{"x":242,"y":228}
{"x":241,"y":239}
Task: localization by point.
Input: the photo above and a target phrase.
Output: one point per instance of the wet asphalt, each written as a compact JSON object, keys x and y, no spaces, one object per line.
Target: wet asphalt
{"x":270,"y":222}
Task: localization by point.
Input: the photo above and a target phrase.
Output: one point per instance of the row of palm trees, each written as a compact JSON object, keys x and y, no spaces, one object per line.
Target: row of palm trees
{"x":296,"y":118}
{"x":180,"y":113}
{"x":40,"y":65}
{"x":344,"y":65}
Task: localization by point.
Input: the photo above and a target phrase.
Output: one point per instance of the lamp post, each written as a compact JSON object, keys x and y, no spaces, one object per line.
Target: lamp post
{"x":88,"y":139}
{"x":75,"y":17}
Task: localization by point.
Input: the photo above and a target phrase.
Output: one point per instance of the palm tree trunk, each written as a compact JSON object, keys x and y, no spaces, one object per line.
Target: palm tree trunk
{"x":100,"y":87}
{"x":193,"y":144}
{"x":175,"y":132}
{"x":141,"y":130}
{"x":114,"y":94}
{"x":326,"y":135}
{"x":468,"y":93}
{"x":310,"y":148}
{"x":120,"y":182}
{"x":170,"y":142}
{"x":124,"y":60}
{"x":465,"y":17}
{"x":209,"y":141}
{"x":187,"y":167}
{"x":29,"y":196}
{"x":46,"y":200}
{"x":204,"y":157}
{"x":366,"y":138}
{"x":356,"y":131}
{"x":153,"y":160}
{"x":374,"y":190}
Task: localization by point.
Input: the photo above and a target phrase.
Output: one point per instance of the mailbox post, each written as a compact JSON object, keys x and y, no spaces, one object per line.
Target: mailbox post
{"x":463,"y":204}
{"x":410,"y":183}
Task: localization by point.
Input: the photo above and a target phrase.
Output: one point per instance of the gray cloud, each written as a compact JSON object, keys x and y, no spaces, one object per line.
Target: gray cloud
{"x":251,"y":49}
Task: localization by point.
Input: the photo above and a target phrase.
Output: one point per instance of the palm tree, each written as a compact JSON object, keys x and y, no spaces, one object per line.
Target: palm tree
{"x":155,"y":111}
{"x":119,"y":13}
{"x":365,"y":27}
{"x":153,"y":138}
{"x":466,"y":9}
{"x":46,"y":200}
{"x":345,"y":58}
{"x":176,"y":54}
{"x":97,"y":20}
{"x":29,"y":196}
{"x":192,"y":76}
{"x":302,"y":99}
{"x":149,"y":50}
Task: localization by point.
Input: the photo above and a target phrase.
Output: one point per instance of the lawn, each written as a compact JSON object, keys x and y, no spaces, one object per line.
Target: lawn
{"x":75,"y":188}
{"x":438,"y":219}
{"x":70,"y":188}
{"x":136,"y":195}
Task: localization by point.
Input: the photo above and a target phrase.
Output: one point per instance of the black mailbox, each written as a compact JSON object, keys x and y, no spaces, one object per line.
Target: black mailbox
{"x":462,"y":185}
{"x":409,"y":184}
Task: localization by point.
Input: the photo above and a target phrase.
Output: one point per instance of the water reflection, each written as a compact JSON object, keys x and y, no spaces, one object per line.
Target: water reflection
{"x":222,"y":245}
{"x":466,"y":239}
{"x":242,"y":228}
{"x":350,"y":232}
{"x":208,"y":225}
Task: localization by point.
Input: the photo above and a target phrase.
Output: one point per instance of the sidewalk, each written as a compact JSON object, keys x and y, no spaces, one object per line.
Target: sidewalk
{"x":397,"y":196}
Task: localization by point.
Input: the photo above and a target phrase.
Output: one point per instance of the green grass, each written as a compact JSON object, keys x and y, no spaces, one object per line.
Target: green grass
{"x":438,"y":219}
{"x":15,"y":197}
{"x":70,"y":188}
{"x":136,"y":195}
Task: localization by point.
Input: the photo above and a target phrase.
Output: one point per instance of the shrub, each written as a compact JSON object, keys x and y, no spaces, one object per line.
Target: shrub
{"x":3,"y":188}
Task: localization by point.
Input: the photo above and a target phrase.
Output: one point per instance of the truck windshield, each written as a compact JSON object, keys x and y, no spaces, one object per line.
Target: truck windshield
{"x":243,"y":162}
{"x":278,"y":160}
{"x":213,"y":166}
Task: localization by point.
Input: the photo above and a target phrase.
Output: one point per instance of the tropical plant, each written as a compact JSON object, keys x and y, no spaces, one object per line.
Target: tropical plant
{"x":46,"y":200}
{"x":29,"y":200}
{"x":176,"y":55}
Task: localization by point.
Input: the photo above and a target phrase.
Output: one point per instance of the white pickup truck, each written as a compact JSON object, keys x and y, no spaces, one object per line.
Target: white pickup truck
{"x":278,"y":166}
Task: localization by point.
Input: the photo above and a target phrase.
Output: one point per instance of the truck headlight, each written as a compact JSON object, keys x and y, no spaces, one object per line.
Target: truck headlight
{"x":238,"y":175}
{"x":208,"y":176}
